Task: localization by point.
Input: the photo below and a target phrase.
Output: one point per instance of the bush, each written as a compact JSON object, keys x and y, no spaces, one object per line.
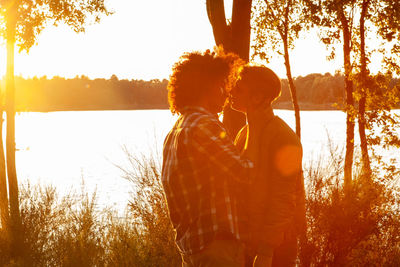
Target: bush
{"x":71,"y":231}
{"x":148,"y":207}
{"x":357,"y":227}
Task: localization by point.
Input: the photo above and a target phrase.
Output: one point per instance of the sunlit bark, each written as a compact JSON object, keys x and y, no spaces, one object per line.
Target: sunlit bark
{"x":15,"y":218}
{"x":4,"y":210}
{"x":292,"y":87}
{"x":363,"y":92}
{"x":293,"y":91}
{"x":348,"y":163}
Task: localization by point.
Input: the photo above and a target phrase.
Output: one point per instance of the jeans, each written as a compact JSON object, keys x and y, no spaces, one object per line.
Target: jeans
{"x":283,"y":256}
{"x":219,"y":253}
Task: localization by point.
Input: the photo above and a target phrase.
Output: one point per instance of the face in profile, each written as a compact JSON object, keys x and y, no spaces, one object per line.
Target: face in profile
{"x":216,"y":99}
{"x":238,"y":96}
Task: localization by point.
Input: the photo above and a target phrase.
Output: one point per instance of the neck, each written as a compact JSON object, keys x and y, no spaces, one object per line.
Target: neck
{"x":258,"y":114}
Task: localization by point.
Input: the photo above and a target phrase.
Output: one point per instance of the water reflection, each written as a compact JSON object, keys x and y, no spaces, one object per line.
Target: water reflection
{"x":62,"y":148}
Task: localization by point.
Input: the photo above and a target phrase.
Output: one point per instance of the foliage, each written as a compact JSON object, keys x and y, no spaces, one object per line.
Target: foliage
{"x":354,"y":228}
{"x":382,"y":124}
{"x":386,"y":18}
{"x":315,"y":91}
{"x":148,"y":207}
{"x":278,"y":23}
{"x":82,"y":93}
{"x":272,"y":27}
{"x":72,"y":231}
{"x":21,"y":22}
{"x":332,"y":17}
{"x":58,"y":231}
{"x":32,"y":16}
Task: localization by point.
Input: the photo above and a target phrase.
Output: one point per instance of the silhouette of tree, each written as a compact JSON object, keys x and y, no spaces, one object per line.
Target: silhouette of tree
{"x":278,"y":23}
{"x":371,"y":14}
{"x":235,"y":37}
{"x":4,"y":211}
{"x":335,"y":19}
{"x":363,"y":88}
{"x":24,"y":20}
{"x":373,"y":96}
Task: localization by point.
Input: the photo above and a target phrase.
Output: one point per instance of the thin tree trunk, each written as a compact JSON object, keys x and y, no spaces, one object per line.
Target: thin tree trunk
{"x":3,"y":182}
{"x":292,"y":87}
{"x":15,"y":218}
{"x":348,"y":162}
{"x":363,"y":91}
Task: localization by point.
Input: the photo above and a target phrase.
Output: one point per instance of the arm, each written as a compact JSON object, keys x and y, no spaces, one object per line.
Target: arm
{"x":211,"y":139}
{"x":282,"y":178}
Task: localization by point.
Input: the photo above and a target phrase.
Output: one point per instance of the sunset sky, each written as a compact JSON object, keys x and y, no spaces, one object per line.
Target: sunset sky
{"x":142,"y":40}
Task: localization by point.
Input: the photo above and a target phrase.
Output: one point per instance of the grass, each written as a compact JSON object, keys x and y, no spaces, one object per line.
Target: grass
{"x":358,"y":227}
{"x":70,"y":230}
{"x":355,"y":228}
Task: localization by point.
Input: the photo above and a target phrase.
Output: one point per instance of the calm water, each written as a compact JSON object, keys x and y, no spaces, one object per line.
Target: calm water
{"x":64,"y":148}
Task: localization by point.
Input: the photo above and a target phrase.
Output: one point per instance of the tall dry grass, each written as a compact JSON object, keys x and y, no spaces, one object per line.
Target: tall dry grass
{"x":358,"y":227}
{"x":355,"y":228}
{"x":71,"y":231}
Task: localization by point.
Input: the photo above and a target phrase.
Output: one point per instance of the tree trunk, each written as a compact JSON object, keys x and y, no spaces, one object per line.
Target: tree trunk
{"x":221,"y":31}
{"x":4,"y":210}
{"x":15,"y":218}
{"x":241,"y":29}
{"x":363,"y":91}
{"x":234,"y":38}
{"x":292,"y":88}
{"x":348,"y":162}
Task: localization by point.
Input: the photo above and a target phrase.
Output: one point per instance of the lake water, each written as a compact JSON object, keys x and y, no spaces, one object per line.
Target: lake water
{"x":64,"y":148}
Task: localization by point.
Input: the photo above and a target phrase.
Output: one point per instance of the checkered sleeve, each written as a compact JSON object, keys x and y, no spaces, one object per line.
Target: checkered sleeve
{"x":211,"y":139}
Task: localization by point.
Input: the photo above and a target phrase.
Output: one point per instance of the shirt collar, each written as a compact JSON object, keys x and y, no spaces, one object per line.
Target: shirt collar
{"x":191,"y":109}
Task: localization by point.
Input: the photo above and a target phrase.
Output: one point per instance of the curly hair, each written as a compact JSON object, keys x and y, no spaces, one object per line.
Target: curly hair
{"x":197,"y":73}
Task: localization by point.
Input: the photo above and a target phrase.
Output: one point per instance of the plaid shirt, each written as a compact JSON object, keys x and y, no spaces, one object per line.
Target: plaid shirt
{"x":200,"y":173}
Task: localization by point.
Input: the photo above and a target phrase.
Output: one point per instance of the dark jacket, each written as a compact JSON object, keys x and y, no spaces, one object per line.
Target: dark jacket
{"x":275,"y":201}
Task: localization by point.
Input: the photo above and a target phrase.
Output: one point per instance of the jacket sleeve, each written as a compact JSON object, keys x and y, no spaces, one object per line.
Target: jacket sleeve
{"x":282,"y":176}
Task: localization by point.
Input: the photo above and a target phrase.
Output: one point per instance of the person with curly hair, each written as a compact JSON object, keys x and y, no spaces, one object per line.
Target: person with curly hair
{"x":202,"y":170}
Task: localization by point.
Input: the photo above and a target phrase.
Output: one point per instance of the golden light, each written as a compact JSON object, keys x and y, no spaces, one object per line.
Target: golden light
{"x":288,"y":160}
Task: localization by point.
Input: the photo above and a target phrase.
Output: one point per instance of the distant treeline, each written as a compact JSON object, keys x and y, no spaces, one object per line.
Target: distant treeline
{"x":315,"y":91}
{"x":82,"y":93}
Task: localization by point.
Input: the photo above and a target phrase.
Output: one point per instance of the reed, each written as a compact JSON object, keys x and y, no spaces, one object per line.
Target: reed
{"x":354,"y":228}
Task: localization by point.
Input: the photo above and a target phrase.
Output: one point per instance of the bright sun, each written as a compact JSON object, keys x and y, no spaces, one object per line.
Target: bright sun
{"x":3,"y":61}
{"x":133,"y":45}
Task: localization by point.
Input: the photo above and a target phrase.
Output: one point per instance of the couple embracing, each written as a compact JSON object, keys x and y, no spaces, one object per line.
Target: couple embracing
{"x":231,"y":203}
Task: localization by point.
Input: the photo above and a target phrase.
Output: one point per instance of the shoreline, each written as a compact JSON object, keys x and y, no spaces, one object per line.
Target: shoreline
{"x":282,"y":105}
